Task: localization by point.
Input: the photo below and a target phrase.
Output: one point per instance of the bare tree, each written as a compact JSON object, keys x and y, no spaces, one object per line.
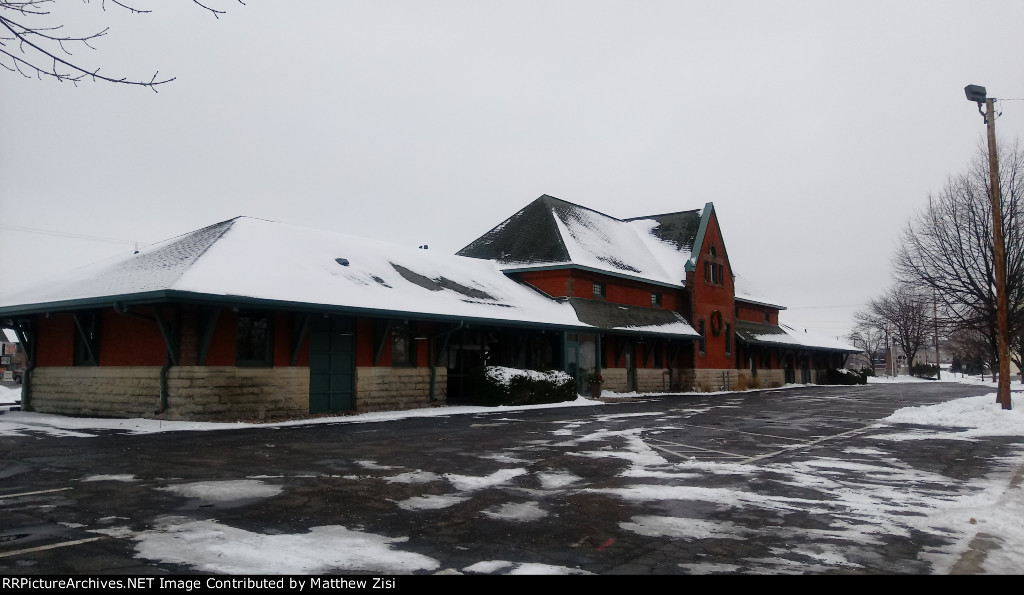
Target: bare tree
{"x":901,"y":313}
{"x":974,"y":349}
{"x":31,"y":44}
{"x":870,"y":339}
{"x":948,"y":247}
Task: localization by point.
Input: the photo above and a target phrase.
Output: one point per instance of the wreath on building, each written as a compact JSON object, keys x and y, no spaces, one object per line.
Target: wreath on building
{"x":716,"y":323}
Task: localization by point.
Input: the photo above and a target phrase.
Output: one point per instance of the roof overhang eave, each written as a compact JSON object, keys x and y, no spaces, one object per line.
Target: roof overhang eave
{"x":569,"y":265}
{"x":758,"y":303}
{"x":649,"y":333}
{"x":758,"y":343}
{"x":188,"y":297}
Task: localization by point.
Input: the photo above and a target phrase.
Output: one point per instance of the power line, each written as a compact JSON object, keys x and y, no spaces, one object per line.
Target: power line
{"x":67,"y":234}
{"x":819,"y":307}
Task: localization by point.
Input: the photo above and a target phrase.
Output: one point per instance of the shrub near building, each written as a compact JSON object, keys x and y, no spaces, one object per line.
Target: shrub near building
{"x":844,"y":376}
{"x":498,"y":385}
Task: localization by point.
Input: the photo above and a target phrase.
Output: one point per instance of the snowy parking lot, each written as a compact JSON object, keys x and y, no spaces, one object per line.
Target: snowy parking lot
{"x":918,"y":478}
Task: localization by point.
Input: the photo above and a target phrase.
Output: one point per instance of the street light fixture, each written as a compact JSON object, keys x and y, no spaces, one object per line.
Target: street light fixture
{"x":977,"y":94}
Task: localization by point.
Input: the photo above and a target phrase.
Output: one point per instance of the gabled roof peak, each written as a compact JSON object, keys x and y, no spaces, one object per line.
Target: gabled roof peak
{"x":664,"y":215}
{"x":551,"y":232}
{"x":555,"y":201}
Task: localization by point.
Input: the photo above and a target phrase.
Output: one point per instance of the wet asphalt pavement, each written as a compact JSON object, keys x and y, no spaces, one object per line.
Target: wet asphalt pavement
{"x":795,"y":481}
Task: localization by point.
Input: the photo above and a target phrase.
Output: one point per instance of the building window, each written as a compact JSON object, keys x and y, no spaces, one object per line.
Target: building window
{"x":655,"y":298}
{"x":402,"y":352}
{"x":253,"y":339}
{"x":87,"y":328}
{"x":701,"y":344}
{"x":599,"y":290}
{"x":728,"y":339}
{"x":714,"y":273}
{"x":767,"y":318}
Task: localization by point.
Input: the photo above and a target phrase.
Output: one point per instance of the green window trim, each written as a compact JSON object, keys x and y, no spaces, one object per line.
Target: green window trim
{"x":87,"y":327}
{"x":403,"y":348}
{"x":254,"y":339}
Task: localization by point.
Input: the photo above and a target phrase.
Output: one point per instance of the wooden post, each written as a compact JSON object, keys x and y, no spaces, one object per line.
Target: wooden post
{"x":935,"y":319}
{"x":999,"y":254}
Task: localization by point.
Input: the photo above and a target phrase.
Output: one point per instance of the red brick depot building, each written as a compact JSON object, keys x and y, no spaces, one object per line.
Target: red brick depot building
{"x":252,"y":319}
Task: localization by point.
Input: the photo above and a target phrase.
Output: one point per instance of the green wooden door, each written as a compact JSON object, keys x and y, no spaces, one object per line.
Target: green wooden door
{"x":332,"y":364}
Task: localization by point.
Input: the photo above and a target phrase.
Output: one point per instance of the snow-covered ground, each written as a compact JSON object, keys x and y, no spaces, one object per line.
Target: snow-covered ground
{"x":994,"y":508}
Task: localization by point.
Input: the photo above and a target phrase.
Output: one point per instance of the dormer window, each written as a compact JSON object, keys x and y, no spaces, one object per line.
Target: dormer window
{"x":600,"y":290}
{"x":655,"y":299}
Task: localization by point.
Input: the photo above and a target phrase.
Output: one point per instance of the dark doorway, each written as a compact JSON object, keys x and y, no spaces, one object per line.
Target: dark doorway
{"x":332,"y":364}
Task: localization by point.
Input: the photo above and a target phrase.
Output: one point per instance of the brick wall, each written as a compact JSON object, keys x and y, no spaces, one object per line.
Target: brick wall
{"x":614,"y":379}
{"x":227,"y":393}
{"x":652,"y":380}
{"x":393,"y":389}
{"x":765,"y":379}
{"x":94,"y":391}
{"x":648,"y":380}
{"x":195,"y":393}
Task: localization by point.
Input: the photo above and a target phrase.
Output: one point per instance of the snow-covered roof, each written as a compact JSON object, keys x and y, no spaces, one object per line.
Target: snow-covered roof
{"x":631,"y":319}
{"x":745,"y":292}
{"x":255,"y":259}
{"x":756,"y":333}
{"x":550,"y":232}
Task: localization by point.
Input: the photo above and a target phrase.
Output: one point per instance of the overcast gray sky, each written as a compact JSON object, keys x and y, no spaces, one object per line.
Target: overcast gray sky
{"x":816,"y":127}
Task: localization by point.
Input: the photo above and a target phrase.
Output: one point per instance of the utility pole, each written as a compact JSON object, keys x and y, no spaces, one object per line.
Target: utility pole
{"x":935,"y":319}
{"x":977,"y":94}
{"x":890,"y":351}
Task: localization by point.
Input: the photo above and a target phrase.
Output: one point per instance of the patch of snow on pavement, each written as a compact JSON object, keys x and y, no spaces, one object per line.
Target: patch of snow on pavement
{"x":121,"y":477}
{"x":517,"y":511}
{"x":488,"y":566}
{"x":417,"y":476}
{"x":224,"y":491}
{"x":471,"y":482}
{"x":506,"y":567}
{"x":683,"y":528}
{"x":557,"y":479}
{"x":433,"y":502}
{"x":208,"y":546}
{"x":373,"y":465}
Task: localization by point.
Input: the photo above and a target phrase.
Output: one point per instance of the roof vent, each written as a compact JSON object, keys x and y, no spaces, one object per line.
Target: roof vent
{"x":342,"y":261}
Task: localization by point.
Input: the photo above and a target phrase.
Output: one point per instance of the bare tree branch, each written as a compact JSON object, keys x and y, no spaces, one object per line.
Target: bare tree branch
{"x":948,"y":248}
{"x":28,"y":48}
{"x":902,"y":314}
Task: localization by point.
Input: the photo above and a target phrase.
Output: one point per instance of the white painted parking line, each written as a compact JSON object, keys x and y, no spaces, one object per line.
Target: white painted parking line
{"x":744,"y":459}
{"x":805,"y":445}
{"x":2,"y":496}
{"x":48,"y":547}
{"x":741,"y":432}
{"x":690,"y":446}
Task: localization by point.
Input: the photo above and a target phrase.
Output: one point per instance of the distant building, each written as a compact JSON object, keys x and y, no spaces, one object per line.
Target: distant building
{"x":11,"y":356}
